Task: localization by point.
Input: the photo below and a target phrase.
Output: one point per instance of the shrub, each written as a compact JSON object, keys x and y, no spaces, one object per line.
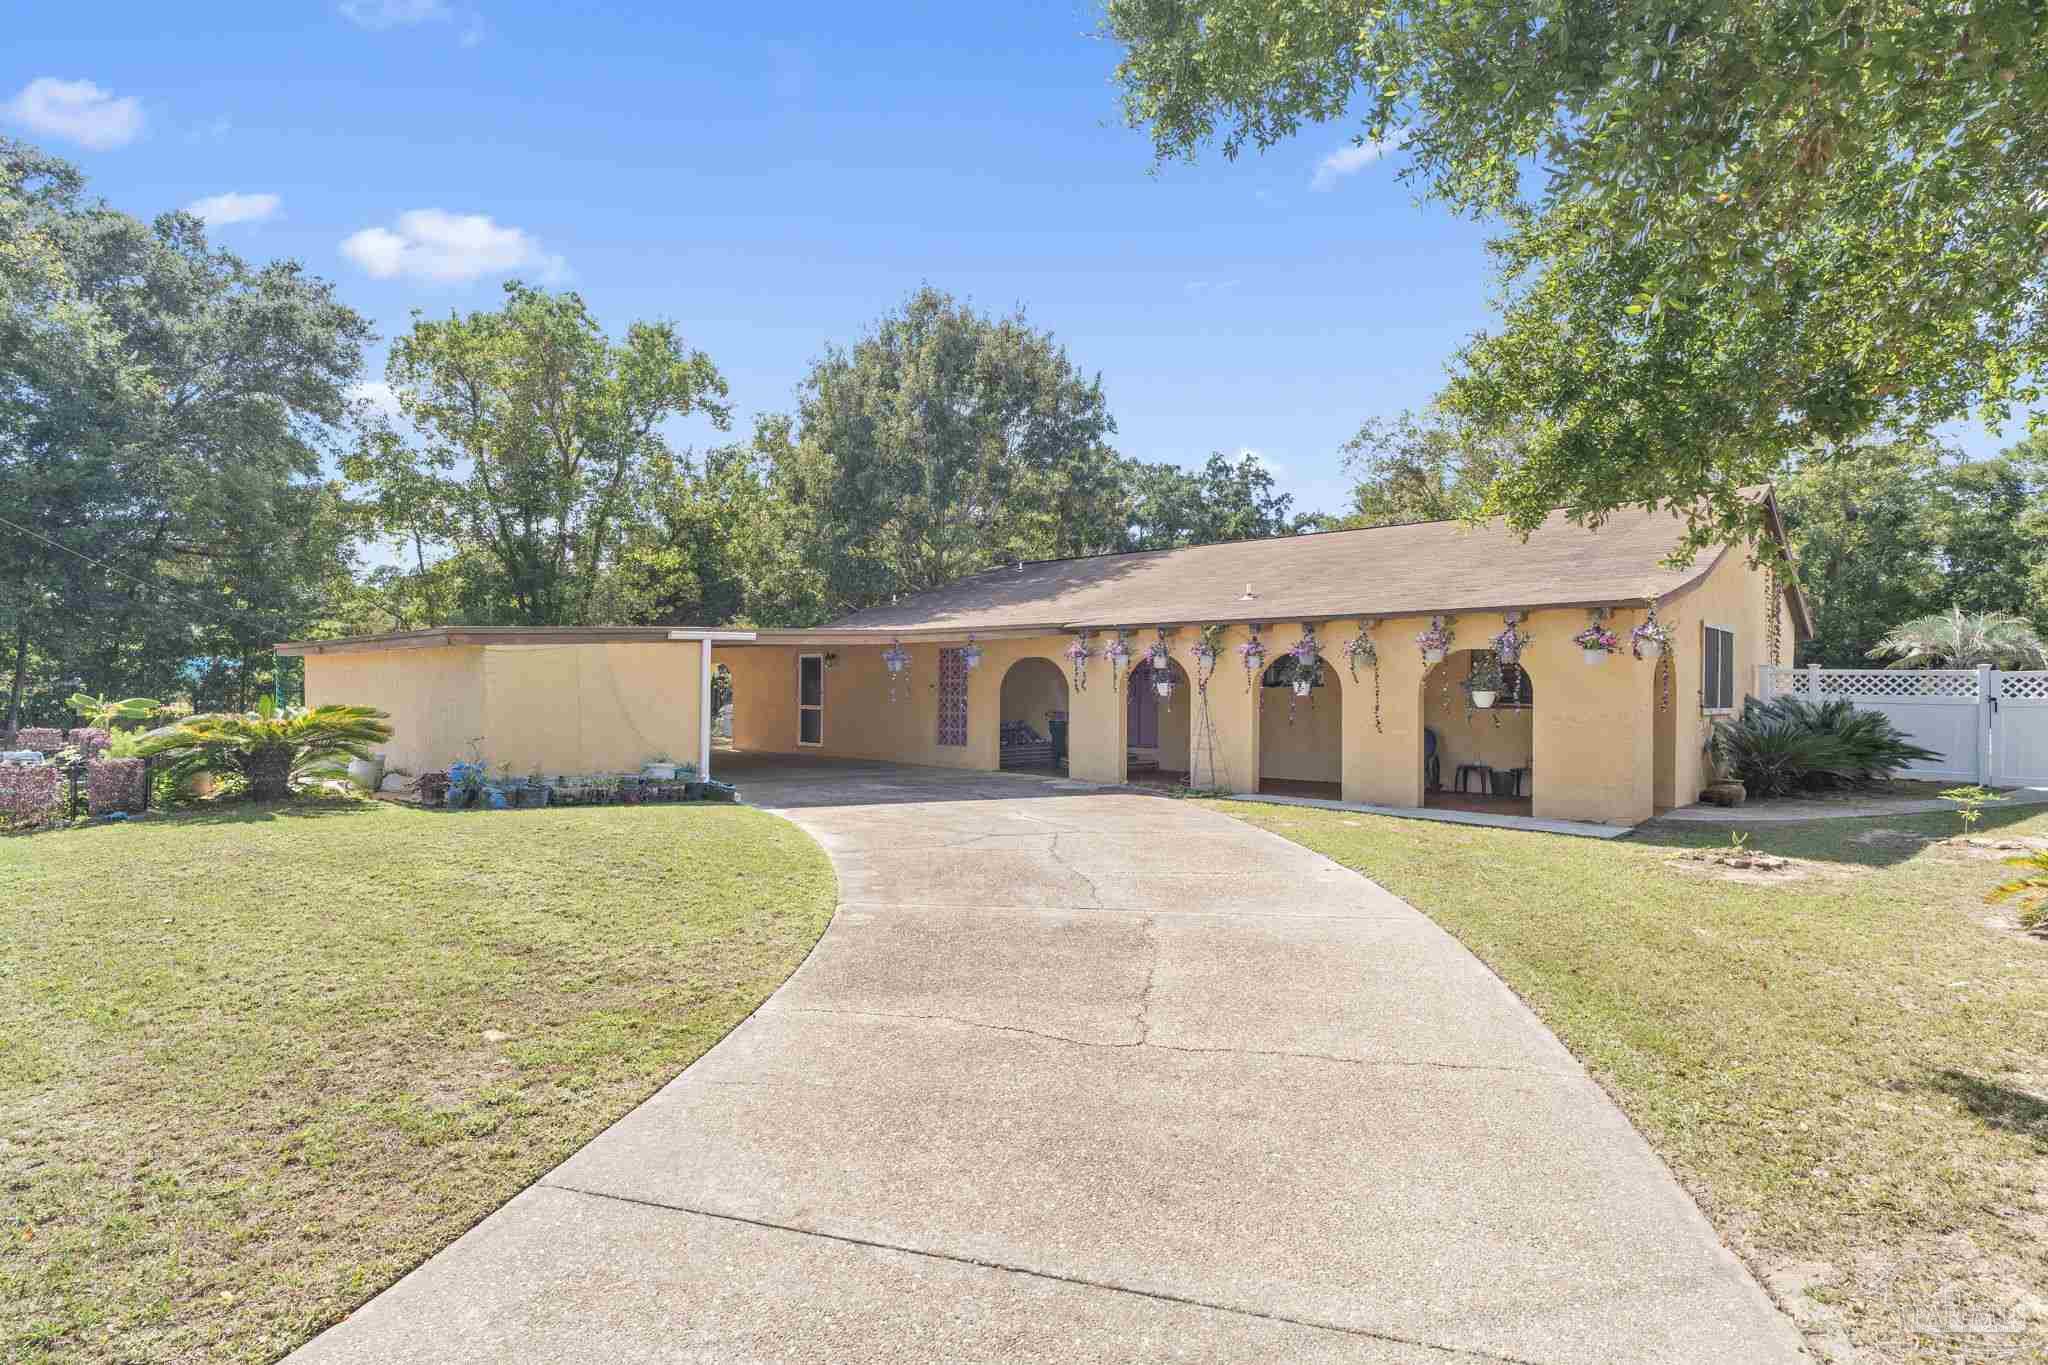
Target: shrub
{"x":1872,"y":745}
{"x":270,"y":747}
{"x":1773,"y":755}
{"x":90,"y":741}
{"x":115,"y":784}
{"x":30,"y":795}
{"x":1789,"y":744}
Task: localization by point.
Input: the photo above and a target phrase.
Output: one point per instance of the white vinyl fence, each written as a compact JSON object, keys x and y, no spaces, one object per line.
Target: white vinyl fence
{"x":1987,"y":726}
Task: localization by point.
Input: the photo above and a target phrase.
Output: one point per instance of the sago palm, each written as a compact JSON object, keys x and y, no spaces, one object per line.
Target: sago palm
{"x":1960,"y":639}
{"x":270,"y":746}
{"x":2030,"y":890}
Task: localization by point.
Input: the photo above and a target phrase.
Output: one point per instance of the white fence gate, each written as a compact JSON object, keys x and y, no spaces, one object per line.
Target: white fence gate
{"x":1986,"y":726}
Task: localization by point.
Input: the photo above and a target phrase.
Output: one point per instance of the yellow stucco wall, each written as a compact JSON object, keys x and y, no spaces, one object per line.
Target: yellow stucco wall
{"x":1306,"y":745}
{"x":591,"y":707}
{"x":1735,"y":597}
{"x":1599,"y":746}
{"x":435,"y":698}
{"x":557,"y":708}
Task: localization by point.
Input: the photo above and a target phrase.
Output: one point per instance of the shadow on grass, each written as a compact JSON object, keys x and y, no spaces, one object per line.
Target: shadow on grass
{"x":1999,"y":1106}
{"x":1860,"y":841}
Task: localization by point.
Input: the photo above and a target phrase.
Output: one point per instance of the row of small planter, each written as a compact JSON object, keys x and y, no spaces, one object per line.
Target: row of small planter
{"x":436,"y":789}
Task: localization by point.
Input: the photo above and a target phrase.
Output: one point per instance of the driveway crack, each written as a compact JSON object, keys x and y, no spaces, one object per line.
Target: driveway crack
{"x":1094,"y":891}
{"x":1144,"y":1042}
{"x":1454,"y":1353}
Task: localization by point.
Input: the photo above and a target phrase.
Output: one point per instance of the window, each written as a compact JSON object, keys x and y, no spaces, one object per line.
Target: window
{"x":810,"y":699}
{"x":952,"y":697}
{"x":1717,"y":668}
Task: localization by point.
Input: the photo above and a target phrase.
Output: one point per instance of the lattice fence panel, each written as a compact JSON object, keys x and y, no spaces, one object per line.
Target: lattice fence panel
{"x":2023,"y":687}
{"x":1885,"y":684}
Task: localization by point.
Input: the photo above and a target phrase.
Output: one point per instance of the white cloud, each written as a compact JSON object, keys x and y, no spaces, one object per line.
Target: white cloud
{"x":1346,"y":161}
{"x":383,"y":14}
{"x":221,"y":209}
{"x":1208,"y":288}
{"x":377,"y":394}
{"x":448,"y":248}
{"x":78,"y":110}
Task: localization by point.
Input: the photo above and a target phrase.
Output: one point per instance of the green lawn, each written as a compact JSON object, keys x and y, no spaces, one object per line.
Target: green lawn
{"x":1848,"y":1069}
{"x":257,"y":1063}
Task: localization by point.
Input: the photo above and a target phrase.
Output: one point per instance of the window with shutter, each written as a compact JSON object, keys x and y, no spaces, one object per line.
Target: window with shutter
{"x":1717,"y":668}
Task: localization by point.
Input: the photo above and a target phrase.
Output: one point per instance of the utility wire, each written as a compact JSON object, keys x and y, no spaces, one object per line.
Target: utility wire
{"x":207,"y":608}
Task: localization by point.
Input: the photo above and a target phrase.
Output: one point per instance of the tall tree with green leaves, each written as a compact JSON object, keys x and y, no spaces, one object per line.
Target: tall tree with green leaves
{"x":165,"y":410}
{"x":1427,"y":466}
{"x":945,"y":441}
{"x":1730,"y":234}
{"x":1167,"y":507}
{"x":523,"y":434}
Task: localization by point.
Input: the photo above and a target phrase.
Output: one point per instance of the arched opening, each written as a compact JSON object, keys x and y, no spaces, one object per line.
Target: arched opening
{"x":1478,"y":750}
{"x":1033,"y":737}
{"x":1301,"y":730}
{"x":1160,"y":731}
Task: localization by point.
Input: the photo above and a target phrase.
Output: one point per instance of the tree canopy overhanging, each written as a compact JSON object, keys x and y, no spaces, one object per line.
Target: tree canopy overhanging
{"x":1730,"y":233}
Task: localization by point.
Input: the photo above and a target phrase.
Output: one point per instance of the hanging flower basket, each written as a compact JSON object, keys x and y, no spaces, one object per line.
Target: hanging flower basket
{"x":1162,"y":684}
{"x":970,"y":654}
{"x":1650,"y":638}
{"x":1435,"y":642}
{"x":1598,"y":642}
{"x":1253,"y":652}
{"x":1484,"y":684}
{"x":1508,"y":646}
{"x":1118,"y":652}
{"x":1304,"y":684}
{"x":1361,"y":653}
{"x":1205,"y":654}
{"x":1077,"y":655}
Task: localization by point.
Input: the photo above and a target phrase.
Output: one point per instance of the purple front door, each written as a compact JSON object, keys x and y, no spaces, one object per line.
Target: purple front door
{"x":1144,"y":709}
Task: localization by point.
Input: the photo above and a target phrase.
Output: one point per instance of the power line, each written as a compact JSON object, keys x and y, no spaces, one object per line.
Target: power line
{"x":204,"y":607}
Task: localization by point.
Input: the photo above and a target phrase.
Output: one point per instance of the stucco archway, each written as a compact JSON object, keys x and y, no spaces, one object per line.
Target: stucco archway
{"x":1301,"y":738}
{"x":1486,"y":751}
{"x":1159,"y":731}
{"x":1033,"y":698}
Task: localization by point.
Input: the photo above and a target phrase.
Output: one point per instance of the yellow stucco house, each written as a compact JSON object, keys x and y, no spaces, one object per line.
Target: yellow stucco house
{"x":946,"y":677}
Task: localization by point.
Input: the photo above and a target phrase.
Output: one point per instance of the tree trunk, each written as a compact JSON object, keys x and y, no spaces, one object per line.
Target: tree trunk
{"x":269,"y":771}
{"x":20,"y":675}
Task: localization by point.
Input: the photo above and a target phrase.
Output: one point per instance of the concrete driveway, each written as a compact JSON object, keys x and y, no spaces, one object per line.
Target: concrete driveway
{"x":1079,"y":1075}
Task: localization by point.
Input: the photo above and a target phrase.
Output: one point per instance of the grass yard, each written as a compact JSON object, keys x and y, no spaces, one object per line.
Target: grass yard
{"x":256,"y":1064}
{"x":1846,"y":1064}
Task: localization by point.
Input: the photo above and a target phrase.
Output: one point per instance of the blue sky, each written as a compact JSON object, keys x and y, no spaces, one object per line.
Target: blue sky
{"x":774,"y":180}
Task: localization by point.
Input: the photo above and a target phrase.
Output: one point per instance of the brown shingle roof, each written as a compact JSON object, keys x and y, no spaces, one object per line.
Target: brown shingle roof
{"x":1419,"y":568}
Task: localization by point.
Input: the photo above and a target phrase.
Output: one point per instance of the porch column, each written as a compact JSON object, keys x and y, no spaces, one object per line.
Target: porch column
{"x":1098,"y":718}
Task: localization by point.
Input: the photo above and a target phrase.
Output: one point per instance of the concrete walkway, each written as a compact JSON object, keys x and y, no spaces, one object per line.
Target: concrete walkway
{"x":1089,"y":1076}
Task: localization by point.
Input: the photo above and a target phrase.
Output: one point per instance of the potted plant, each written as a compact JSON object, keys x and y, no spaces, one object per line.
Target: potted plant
{"x":661,"y":768}
{"x":1651,"y":638}
{"x":1597,"y":641}
{"x":970,"y":654}
{"x":1484,"y":684}
{"x":1435,"y":642}
{"x":1077,"y":655}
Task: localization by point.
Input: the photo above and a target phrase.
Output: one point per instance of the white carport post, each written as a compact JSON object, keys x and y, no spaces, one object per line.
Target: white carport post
{"x":705,"y":639}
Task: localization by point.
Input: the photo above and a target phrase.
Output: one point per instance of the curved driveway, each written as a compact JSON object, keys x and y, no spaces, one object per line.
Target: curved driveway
{"x":1079,"y":1075}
